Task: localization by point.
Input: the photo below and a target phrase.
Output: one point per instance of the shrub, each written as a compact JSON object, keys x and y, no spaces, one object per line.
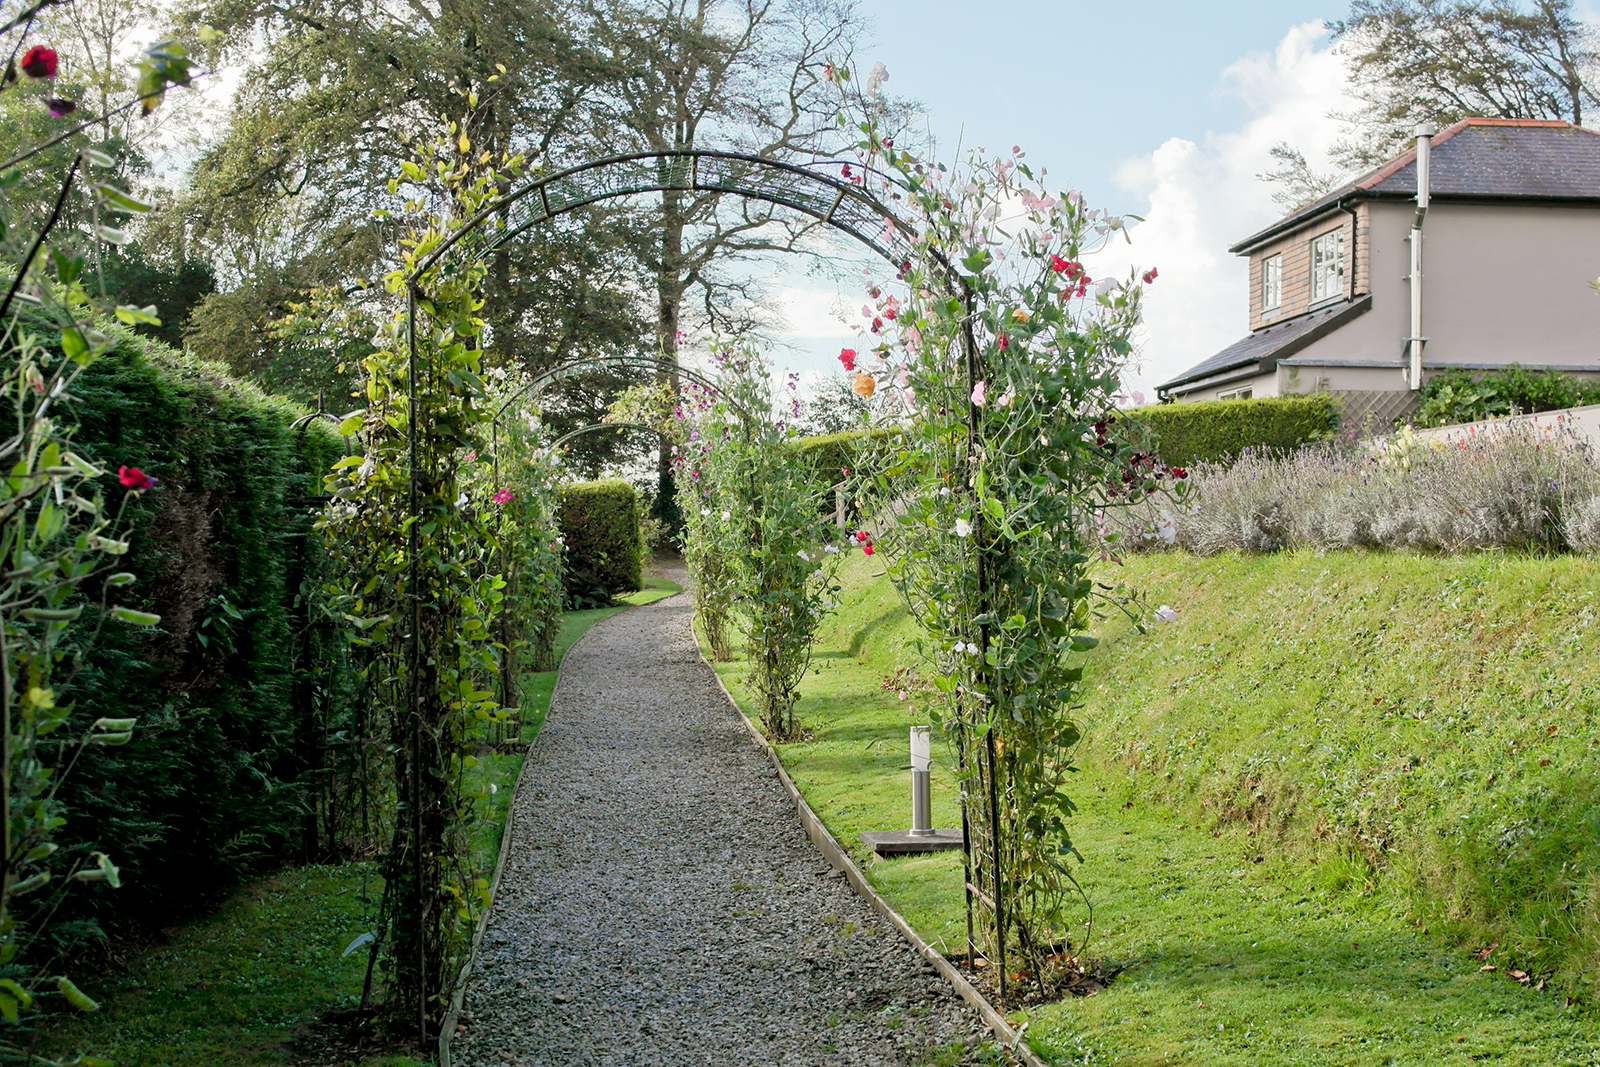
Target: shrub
{"x":1214,"y":430}
{"x":1520,"y":489}
{"x":604,"y":556}
{"x":1457,"y":396}
{"x":831,"y":454}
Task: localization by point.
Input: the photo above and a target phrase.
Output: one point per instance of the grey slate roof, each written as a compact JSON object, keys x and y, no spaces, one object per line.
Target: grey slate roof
{"x":1280,"y":340}
{"x":1497,"y":159}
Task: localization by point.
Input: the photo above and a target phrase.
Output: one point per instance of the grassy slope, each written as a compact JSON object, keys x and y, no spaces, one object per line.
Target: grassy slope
{"x":230,"y":988}
{"x":1303,"y":803}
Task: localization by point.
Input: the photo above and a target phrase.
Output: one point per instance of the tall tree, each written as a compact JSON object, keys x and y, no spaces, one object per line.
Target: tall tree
{"x":1444,"y":60}
{"x":741,"y":75}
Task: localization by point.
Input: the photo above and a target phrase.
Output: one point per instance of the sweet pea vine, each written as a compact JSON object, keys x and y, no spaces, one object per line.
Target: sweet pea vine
{"x":1002,"y":353}
{"x":757,"y":536}
{"x":423,"y":534}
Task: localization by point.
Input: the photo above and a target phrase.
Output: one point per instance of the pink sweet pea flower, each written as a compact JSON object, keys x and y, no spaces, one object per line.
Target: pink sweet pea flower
{"x":39,"y":62}
{"x":134,"y":478}
{"x":847,"y":356}
{"x":502,"y":496}
{"x":980,"y":393}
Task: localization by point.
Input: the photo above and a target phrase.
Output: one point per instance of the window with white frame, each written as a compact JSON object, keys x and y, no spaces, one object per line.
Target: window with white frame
{"x":1327,"y":266}
{"x":1271,"y":283}
{"x":1238,"y":394}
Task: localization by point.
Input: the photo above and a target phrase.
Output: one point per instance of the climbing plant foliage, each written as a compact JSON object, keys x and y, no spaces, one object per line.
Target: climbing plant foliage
{"x":426,"y":535}
{"x":762,"y":547}
{"x":1002,"y":355}
{"x":61,"y":536}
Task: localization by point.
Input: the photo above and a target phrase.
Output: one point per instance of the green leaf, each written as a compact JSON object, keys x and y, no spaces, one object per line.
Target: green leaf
{"x":137,"y":618}
{"x":114,"y":724}
{"x":73,"y":344}
{"x":112,"y":195}
{"x":8,"y":1007}
{"x":112,"y":235}
{"x":349,"y":425}
{"x":99,"y":158}
{"x":29,"y":884}
{"x":361,"y":939}
{"x":121,"y":578}
{"x":129,"y":315}
{"x":75,"y":996}
{"x":17,"y":991}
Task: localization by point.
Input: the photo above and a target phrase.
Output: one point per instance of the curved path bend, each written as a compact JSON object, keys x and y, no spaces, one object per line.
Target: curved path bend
{"x":660,"y":903}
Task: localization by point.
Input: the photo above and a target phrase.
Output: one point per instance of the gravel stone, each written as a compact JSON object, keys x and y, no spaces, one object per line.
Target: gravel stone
{"x":661,"y":904}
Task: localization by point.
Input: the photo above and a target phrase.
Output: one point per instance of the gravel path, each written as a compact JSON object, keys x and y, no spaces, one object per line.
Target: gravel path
{"x":661,"y":904}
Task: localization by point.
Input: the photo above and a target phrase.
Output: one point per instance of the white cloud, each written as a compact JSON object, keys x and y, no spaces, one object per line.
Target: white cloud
{"x":1204,"y":197}
{"x":812,"y":313}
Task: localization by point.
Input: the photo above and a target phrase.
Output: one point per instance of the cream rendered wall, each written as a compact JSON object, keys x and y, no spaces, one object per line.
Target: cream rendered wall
{"x":1511,"y":284}
{"x":1260,"y":385}
{"x":1335,"y":379}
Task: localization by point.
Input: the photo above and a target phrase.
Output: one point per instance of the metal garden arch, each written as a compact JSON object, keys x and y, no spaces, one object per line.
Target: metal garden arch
{"x":813,"y":190}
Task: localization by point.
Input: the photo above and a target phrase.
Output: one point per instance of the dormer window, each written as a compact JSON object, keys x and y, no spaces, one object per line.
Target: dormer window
{"x":1271,"y":283}
{"x":1327,"y":266}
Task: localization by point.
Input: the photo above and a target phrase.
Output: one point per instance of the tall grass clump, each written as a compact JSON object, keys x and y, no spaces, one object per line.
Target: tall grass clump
{"x":1518,"y":489}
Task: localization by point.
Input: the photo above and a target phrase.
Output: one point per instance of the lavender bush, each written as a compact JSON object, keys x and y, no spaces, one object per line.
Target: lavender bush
{"x":1518,"y":489}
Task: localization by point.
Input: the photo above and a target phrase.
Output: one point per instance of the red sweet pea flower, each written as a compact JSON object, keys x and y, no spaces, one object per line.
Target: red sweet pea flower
{"x":1149,"y":275}
{"x":847,"y":356}
{"x":39,"y":62}
{"x":866,"y":550}
{"x":1058,"y":264}
{"x":134,"y":478}
{"x":862,"y":535}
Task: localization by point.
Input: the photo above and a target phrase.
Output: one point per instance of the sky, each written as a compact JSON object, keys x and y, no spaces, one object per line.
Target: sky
{"x":1165,"y":110}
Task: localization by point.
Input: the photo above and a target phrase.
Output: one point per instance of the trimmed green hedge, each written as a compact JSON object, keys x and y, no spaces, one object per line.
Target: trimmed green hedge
{"x":236,"y":690}
{"x":604,"y":553}
{"x":1213,"y":430}
{"x":830,"y":454}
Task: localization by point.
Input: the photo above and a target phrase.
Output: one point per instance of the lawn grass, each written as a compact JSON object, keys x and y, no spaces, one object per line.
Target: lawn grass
{"x":240,"y":985}
{"x":1233,"y":762}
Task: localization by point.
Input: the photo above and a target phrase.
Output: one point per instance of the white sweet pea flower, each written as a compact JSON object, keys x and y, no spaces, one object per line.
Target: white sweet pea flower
{"x":831,"y":549}
{"x":1166,"y":614}
{"x":963,"y":528}
{"x":461,"y":501}
{"x":803,"y":554}
{"x":875,"y":79}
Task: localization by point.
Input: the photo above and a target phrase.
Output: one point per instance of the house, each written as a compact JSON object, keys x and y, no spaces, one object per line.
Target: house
{"x":1506,"y":233}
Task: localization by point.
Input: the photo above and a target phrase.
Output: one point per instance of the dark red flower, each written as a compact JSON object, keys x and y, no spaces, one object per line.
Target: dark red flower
{"x":58,"y":108}
{"x":134,"y":478}
{"x":1149,"y":275}
{"x":1179,"y":473}
{"x":39,"y":62}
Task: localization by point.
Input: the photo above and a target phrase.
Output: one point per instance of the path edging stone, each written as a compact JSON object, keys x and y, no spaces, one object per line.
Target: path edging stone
{"x":841,"y":861}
